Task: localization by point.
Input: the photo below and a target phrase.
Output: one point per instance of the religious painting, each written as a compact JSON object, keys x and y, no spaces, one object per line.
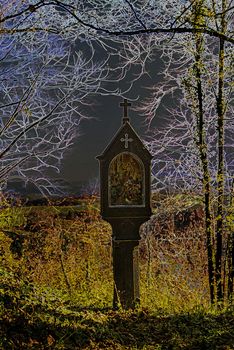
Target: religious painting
{"x":126,"y":181}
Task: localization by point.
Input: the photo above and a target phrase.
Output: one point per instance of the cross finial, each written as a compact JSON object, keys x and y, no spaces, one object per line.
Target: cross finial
{"x":125,"y":104}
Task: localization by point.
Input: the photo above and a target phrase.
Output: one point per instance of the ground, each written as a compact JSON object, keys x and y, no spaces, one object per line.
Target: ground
{"x":56,"y":282}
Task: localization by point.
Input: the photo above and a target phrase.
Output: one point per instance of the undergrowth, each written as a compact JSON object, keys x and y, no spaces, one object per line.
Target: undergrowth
{"x":56,"y":284}
{"x":34,"y":317}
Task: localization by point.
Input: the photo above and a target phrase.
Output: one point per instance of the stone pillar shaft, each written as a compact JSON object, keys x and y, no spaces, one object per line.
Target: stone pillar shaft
{"x":126,"y":273}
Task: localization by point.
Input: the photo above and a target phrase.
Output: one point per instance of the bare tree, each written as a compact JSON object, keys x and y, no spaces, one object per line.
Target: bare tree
{"x":193,"y":148}
{"x":195,"y":41}
{"x":49,"y":72}
{"x":39,"y":41}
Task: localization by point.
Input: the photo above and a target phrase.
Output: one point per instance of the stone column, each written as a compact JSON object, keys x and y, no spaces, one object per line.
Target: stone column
{"x":126,"y":273}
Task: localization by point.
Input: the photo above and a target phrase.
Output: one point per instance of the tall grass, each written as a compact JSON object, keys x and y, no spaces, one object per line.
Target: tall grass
{"x":73,"y":253}
{"x":56,"y":284}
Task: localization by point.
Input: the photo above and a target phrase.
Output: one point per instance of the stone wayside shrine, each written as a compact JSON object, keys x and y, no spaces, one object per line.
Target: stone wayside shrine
{"x":125,"y":172}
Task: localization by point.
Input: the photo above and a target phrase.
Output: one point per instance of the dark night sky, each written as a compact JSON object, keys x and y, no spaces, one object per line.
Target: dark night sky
{"x":80,"y":163}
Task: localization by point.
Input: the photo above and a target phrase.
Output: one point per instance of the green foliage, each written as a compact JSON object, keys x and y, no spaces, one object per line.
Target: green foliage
{"x":57,"y":293}
{"x":40,"y":318}
{"x":173,"y":202}
{"x":230,"y":220}
{"x":11,"y":216}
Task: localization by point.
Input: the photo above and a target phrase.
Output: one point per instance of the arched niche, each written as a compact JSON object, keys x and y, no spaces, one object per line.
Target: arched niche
{"x":126,"y":181}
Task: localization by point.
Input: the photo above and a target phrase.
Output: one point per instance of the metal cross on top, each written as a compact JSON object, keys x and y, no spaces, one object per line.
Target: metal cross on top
{"x":125,"y":104}
{"x":126,"y":140}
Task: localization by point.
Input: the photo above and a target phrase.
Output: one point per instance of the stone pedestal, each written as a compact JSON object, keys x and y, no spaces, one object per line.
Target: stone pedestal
{"x":126,"y":273}
{"x":125,"y":243}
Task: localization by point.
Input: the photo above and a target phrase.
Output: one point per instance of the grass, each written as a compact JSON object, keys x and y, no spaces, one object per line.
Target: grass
{"x":56,"y":286}
{"x":43,"y":319}
{"x":37,"y":318}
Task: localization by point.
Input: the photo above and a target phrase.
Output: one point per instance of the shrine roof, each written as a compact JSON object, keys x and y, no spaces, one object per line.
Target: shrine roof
{"x":118,"y":143}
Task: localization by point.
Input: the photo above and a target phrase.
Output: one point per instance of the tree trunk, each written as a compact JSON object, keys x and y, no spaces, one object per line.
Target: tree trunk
{"x":220,"y":178}
{"x":221,"y":168}
{"x":202,"y":146}
{"x":230,"y":253}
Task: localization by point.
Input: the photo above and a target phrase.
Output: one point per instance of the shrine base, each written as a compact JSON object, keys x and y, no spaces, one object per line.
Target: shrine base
{"x":126,"y":273}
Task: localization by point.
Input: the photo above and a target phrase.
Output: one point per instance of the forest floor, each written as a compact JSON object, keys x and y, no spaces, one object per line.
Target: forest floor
{"x":52,"y":323}
{"x":56,"y":283}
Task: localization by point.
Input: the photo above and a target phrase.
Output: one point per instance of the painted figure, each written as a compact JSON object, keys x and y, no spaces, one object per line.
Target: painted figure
{"x":125,"y":181}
